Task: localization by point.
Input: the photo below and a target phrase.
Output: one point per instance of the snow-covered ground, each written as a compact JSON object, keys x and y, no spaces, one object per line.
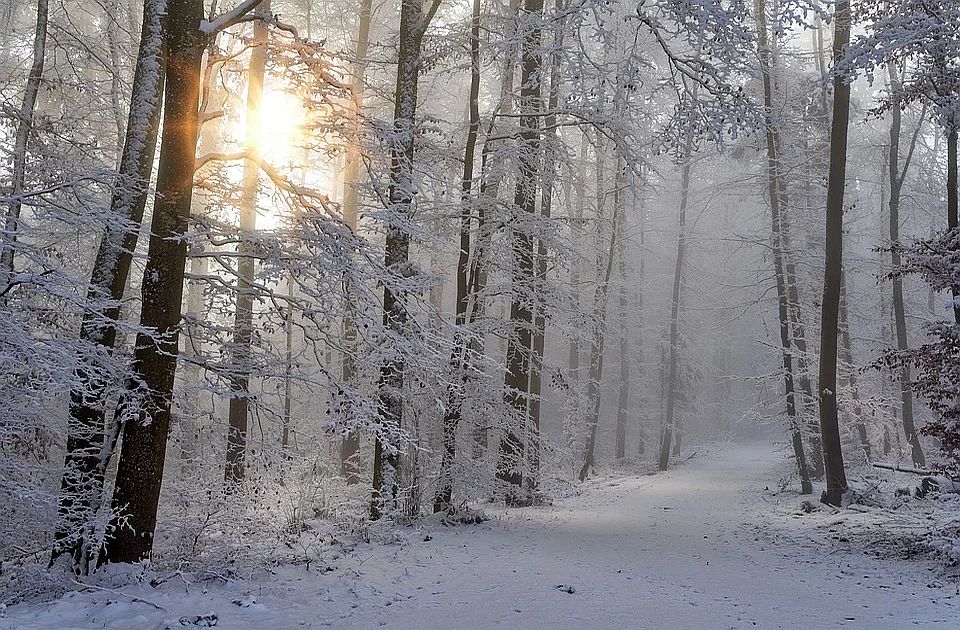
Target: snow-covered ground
{"x":710,"y":544}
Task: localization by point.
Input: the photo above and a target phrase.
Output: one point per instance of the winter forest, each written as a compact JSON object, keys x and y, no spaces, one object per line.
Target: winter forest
{"x":476,"y":313}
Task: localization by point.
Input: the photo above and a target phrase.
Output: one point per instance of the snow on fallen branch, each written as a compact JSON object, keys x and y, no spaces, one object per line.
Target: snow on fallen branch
{"x":903,"y":469}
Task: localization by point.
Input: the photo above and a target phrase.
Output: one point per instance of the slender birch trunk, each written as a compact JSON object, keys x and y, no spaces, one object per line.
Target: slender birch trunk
{"x":623,"y":391}
{"x":952,"y":200}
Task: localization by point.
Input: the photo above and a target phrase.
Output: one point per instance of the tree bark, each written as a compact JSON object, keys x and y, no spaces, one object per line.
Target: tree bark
{"x":512,"y":450}
{"x":242,"y":357}
{"x":546,"y":205}
{"x":952,"y":201}
{"x":846,"y":356}
{"x":455,"y":396}
{"x":350,"y":447}
{"x":604,"y":269}
{"x":673,"y":371}
{"x":833,"y":265}
{"x":641,"y":428}
{"x":623,"y":393}
{"x":145,"y":410}
{"x":18,"y":175}
{"x":776,"y":193}
{"x":897,"y":177}
{"x":386,"y":456}
{"x":88,"y":449}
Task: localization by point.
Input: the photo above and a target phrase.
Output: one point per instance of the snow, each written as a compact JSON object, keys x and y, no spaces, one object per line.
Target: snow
{"x":707,"y":545}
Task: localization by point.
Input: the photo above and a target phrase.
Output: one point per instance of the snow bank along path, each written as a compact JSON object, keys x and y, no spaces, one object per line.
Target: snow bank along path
{"x":697,"y":547}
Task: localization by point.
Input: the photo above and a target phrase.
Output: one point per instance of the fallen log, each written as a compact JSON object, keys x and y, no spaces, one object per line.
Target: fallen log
{"x":903,"y":469}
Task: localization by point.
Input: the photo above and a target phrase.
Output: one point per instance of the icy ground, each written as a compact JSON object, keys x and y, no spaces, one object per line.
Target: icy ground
{"x":710,"y":544}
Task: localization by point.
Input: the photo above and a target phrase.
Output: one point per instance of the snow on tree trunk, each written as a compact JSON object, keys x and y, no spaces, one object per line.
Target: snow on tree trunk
{"x":88,"y":446}
{"x":25,"y":121}
{"x":512,"y":451}
{"x":386,"y":457}
{"x":672,"y":374}
{"x":239,"y":409}
{"x":896,"y":178}
{"x":776,"y":195}
{"x":350,"y":447}
{"x":600,"y":298}
{"x":456,"y":394}
{"x":145,"y":410}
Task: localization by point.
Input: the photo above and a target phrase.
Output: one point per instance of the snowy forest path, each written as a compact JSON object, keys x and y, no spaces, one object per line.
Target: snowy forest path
{"x":695,"y":547}
{"x":705,"y":545}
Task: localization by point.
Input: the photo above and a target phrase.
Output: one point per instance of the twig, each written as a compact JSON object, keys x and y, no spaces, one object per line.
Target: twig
{"x":110,"y":590}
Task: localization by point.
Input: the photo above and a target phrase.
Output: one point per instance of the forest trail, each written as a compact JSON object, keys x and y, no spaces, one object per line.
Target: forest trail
{"x":701,"y":546}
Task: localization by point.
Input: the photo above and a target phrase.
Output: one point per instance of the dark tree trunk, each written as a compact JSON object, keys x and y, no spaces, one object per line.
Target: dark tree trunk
{"x":604,"y":272}
{"x":145,"y":411}
{"x":88,"y":450}
{"x":386,"y":457}
{"x":550,"y":148}
{"x":455,"y":396}
{"x":520,"y":344}
{"x":242,"y":358}
{"x":833,"y":265}
{"x":776,"y":193}
{"x":896,"y":178}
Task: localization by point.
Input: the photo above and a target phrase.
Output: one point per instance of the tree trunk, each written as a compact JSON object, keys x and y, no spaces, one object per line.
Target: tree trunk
{"x":350,"y":448}
{"x":550,"y":151}
{"x":896,"y":184}
{"x":623,"y":394}
{"x":455,"y":396}
{"x":952,"y":201}
{"x":22,"y":138}
{"x":573,"y":351}
{"x":641,"y":429}
{"x":88,"y":450}
{"x":242,"y":356}
{"x":776,"y":193}
{"x":833,"y":265}
{"x":386,"y":457}
{"x":520,"y":344}
{"x":672,"y":377}
{"x":846,"y":356}
{"x":604,"y":269}
{"x":145,"y":411}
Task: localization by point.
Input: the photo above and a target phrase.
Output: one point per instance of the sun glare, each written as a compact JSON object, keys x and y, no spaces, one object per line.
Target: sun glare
{"x":279,"y":126}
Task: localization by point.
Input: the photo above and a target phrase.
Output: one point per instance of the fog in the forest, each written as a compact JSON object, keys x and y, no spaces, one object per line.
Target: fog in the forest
{"x":290,"y":285}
